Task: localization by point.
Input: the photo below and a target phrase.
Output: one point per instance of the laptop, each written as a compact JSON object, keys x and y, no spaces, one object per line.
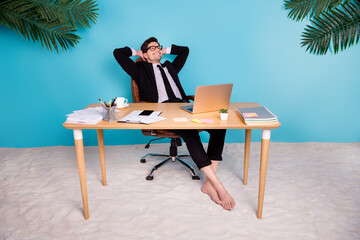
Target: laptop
{"x":210,"y":98}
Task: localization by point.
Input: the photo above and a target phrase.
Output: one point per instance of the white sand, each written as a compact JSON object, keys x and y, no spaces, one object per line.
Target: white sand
{"x":312,"y":192}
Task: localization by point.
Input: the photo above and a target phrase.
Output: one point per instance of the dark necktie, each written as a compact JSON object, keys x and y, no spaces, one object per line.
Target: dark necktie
{"x":168,"y":88}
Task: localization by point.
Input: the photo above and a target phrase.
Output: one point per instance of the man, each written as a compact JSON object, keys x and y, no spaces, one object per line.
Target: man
{"x":160,"y":83}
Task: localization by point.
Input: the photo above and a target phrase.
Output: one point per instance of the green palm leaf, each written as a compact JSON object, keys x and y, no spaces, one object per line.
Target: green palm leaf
{"x":299,"y":9}
{"x":52,"y":22}
{"x":72,"y":12}
{"x":342,"y":26}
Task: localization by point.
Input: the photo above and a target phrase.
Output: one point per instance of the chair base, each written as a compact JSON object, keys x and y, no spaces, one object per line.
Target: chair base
{"x":173,"y":156}
{"x":173,"y":159}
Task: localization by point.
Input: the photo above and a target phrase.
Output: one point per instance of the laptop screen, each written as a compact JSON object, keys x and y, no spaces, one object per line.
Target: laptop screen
{"x":211,"y":98}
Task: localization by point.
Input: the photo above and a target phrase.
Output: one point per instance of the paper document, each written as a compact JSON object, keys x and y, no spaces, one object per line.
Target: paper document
{"x":209,"y":121}
{"x":134,"y":117}
{"x":86,"y":116}
{"x":180,"y":119}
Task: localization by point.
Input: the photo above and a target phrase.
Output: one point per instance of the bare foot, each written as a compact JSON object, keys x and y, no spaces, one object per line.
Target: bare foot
{"x":208,"y":189}
{"x":227,"y":202}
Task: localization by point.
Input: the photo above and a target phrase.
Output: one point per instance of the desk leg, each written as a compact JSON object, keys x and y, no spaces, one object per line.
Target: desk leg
{"x":100,"y":135}
{"x":79,"y":147}
{"x":265,"y":142}
{"x":246,"y":154}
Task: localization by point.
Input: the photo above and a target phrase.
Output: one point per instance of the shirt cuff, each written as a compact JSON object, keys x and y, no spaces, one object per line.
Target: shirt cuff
{"x":133,"y":52}
{"x":168,"y":50}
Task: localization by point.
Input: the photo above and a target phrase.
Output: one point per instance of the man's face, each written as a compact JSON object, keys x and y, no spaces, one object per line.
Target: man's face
{"x":153,"y":54}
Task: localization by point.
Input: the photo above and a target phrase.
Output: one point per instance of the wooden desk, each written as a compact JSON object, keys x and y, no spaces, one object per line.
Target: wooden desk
{"x":170,"y":111}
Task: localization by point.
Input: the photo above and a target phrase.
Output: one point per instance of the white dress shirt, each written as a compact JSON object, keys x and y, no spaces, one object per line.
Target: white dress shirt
{"x":160,"y":82}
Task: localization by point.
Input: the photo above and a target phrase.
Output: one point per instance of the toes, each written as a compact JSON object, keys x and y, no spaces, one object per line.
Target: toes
{"x":228,"y":205}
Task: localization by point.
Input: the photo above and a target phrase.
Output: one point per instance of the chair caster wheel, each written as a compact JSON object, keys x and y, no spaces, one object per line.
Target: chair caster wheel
{"x":195,"y":177}
{"x":149,"y":178}
{"x":143,"y":160}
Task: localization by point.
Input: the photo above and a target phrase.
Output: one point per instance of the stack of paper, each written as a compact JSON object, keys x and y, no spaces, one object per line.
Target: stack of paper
{"x":86,"y":116}
{"x":257,"y":116}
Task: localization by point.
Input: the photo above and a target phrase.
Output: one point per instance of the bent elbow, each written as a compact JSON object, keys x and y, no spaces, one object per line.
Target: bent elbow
{"x":116,"y":52}
{"x":187,"y":50}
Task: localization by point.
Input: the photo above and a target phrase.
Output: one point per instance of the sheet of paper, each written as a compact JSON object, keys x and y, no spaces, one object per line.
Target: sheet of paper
{"x":181,"y":119}
{"x":208,"y":121}
{"x":195,"y":120}
{"x":86,"y":116}
{"x":134,"y":117}
{"x":250,"y":115}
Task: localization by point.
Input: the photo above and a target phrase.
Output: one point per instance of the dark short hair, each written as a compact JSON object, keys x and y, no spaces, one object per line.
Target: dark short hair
{"x":144,"y":46}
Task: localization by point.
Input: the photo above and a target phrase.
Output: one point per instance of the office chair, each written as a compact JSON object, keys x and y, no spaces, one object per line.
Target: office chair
{"x":175,"y":140}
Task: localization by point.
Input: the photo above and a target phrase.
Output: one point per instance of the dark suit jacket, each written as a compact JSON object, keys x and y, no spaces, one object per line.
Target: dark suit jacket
{"x":143,"y":72}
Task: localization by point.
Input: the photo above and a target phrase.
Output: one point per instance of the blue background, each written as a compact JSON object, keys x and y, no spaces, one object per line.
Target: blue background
{"x":249,"y":43}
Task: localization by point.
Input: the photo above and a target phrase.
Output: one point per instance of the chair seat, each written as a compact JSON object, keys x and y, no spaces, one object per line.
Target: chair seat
{"x":159,"y":133}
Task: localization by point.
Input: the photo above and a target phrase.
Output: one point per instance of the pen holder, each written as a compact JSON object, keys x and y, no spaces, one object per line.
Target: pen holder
{"x":110,"y":114}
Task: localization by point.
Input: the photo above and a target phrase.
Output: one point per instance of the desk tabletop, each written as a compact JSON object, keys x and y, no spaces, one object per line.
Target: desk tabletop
{"x":173,"y":110}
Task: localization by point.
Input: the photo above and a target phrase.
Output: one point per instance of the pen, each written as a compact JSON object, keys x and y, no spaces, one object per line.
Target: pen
{"x":102,"y":102}
{"x":112,"y":104}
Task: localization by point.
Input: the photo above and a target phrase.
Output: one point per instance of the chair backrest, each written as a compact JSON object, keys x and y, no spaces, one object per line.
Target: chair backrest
{"x":135,"y":91}
{"x":134,"y":88}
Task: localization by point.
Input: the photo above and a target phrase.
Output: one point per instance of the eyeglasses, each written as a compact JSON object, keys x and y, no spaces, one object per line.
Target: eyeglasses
{"x":153,"y":48}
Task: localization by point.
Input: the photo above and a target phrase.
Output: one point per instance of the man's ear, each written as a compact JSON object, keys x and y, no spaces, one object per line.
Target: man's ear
{"x":146,"y":56}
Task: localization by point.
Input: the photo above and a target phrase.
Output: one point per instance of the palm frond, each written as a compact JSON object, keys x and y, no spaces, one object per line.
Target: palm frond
{"x":83,"y":11}
{"x":73,"y":12}
{"x":52,"y":22}
{"x":21,"y":16}
{"x":299,"y":9}
{"x":49,"y":10}
{"x":341,"y":25}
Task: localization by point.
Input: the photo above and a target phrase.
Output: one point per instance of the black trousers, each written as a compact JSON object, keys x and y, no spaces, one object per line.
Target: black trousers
{"x":196,"y":149}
